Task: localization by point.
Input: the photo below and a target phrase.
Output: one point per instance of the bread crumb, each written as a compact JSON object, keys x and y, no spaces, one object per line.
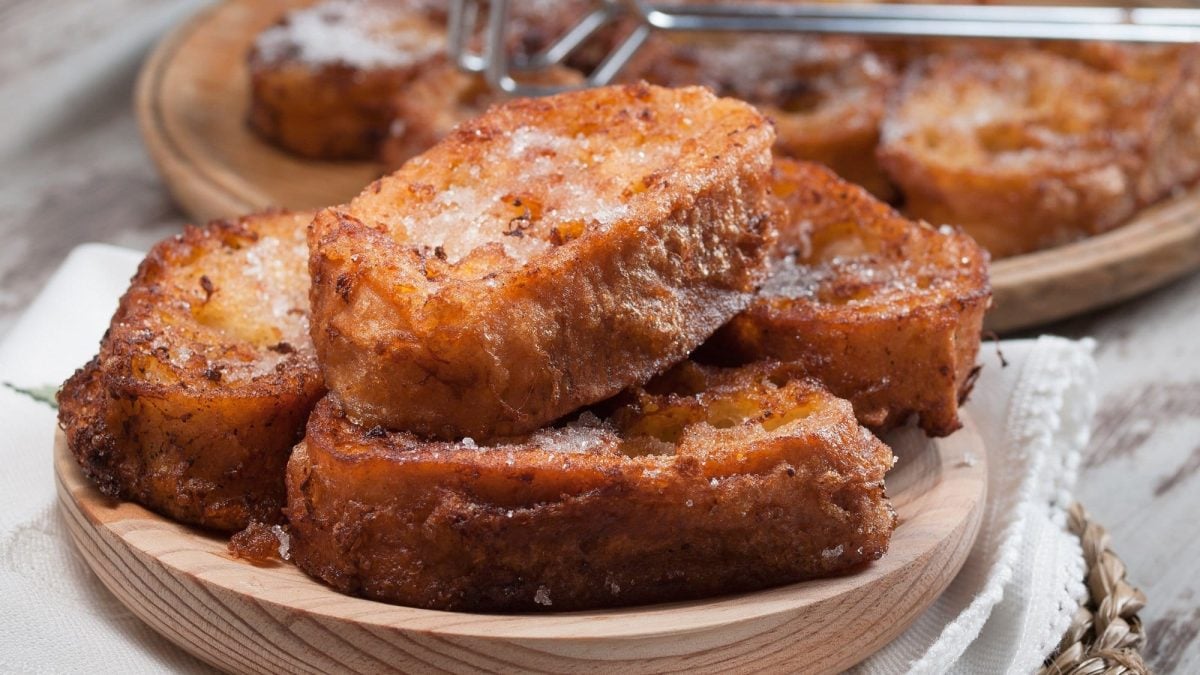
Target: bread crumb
{"x":261,"y":543}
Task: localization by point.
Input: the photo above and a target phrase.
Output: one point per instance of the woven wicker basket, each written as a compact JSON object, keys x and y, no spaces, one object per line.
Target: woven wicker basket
{"x":1106,"y":635}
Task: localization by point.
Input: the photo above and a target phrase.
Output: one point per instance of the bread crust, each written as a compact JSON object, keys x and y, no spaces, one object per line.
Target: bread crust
{"x":718,"y":482}
{"x":883,"y":311}
{"x":1029,"y":149}
{"x":205,"y":377}
{"x":543,"y":257}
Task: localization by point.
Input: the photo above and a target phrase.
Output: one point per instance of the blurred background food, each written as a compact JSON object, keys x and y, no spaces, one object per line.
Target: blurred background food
{"x":1026,"y":145}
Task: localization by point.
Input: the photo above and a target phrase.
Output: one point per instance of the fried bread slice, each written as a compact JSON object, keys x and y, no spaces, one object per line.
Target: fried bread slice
{"x":1029,"y":149}
{"x":543,"y":257}
{"x":709,"y":481}
{"x":826,"y":95}
{"x":323,"y":78}
{"x":883,"y":311}
{"x":205,"y":377}
{"x":1168,"y":77}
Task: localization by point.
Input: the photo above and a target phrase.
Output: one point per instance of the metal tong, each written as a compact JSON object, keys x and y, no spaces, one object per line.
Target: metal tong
{"x":1118,"y":24}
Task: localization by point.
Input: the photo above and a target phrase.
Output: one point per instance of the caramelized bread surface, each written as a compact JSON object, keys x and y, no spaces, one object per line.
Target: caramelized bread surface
{"x":322,"y":80}
{"x":826,"y":95}
{"x":709,"y":481}
{"x":883,"y":311}
{"x":1031,"y":148}
{"x":205,"y":376}
{"x":543,"y":257}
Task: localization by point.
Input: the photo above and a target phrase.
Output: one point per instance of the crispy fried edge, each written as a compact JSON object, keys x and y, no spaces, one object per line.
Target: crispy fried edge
{"x":912,"y":360}
{"x":391,"y":518}
{"x":140,"y":441}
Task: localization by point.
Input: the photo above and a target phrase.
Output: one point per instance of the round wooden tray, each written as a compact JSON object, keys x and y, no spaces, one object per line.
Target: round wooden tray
{"x":192,"y":98}
{"x":272,"y":618}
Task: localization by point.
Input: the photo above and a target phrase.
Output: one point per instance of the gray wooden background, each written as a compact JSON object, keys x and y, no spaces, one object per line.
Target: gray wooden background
{"x":73,"y":170}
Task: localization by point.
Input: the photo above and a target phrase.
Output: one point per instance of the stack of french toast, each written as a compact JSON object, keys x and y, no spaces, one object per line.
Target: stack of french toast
{"x":1026,"y":145}
{"x":595,"y":349}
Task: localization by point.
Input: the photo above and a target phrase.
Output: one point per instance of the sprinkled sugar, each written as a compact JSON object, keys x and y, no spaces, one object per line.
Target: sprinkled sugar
{"x":285,"y":541}
{"x":574,"y":439}
{"x":475,"y":211}
{"x":362,"y":34}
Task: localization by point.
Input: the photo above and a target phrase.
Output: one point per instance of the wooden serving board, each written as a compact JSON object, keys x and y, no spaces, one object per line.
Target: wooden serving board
{"x":193,"y":94}
{"x":249,"y":618}
{"x":191,"y":101}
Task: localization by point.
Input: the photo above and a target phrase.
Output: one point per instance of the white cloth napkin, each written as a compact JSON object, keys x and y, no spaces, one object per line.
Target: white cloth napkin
{"x":1003,"y":613}
{"x":1022,"y":582}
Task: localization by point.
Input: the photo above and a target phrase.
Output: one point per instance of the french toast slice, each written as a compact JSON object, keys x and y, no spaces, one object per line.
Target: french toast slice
{"x":707,"y":482}
{"x":826,"y":95}
{"x":542,"y":257}
{"x":1028,"y":149}
{"x":441,"y":98}
{"x":883,"y":311}
{"x":1169,"y":76}
{"x":323,"y":78}
{"x":205,"y":377}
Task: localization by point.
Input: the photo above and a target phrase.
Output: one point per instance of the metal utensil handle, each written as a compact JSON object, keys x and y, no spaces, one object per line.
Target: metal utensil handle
{"x":1116,"y":24}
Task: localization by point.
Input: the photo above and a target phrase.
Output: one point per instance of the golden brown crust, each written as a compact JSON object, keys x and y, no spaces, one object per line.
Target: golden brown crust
{"x":204,"y":378}
{"x":543,"y":257}
{"x":1028,"y":149}
{"x":322,"y":80}
{"x":826,"y":95}
{"x":883,"y":311}
{"x":728,"y":483}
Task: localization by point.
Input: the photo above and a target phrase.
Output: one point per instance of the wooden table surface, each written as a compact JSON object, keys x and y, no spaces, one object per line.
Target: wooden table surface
{"x":73,"y":170}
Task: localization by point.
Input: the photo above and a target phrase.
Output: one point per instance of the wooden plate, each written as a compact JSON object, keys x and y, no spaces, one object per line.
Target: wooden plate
{"x":247,"y":618}
{"x":192,"y":99}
